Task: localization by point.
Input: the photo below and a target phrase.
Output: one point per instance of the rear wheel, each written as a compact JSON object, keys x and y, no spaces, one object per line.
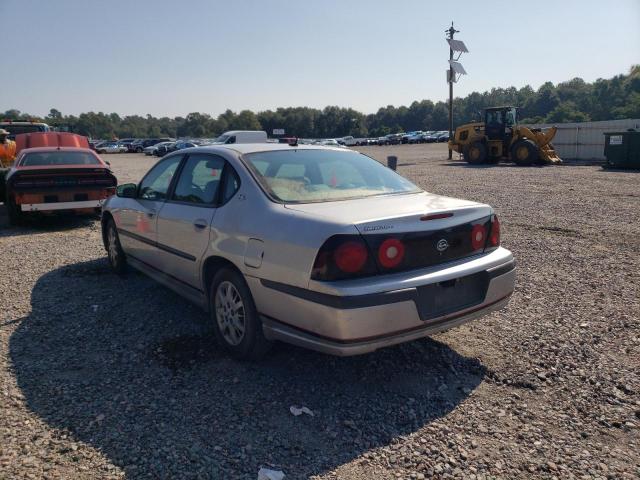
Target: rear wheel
{"x":16,"y":217}
{"x":117,"y":258}
{"x":236,"y":322}
{"x":524,"y":152}
{"x":476,"y":153}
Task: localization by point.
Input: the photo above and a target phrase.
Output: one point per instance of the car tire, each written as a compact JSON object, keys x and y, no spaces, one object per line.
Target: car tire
{"x":236,"y":323}
{"x":16,"y":217}
{"x":115,"y":253}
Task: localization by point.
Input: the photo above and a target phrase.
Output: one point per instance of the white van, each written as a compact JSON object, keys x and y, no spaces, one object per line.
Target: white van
{"x":242,"y":136}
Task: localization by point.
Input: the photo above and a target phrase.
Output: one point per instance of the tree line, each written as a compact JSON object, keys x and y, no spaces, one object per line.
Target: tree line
{"x":571,"y":101}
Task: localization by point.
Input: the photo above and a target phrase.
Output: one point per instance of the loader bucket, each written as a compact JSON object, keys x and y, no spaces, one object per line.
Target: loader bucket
{"x":543,"y":141}
{"x":549,"y":155}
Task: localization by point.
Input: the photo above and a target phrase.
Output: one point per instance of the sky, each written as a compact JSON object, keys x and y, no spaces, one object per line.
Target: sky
{"x":169,"y":58}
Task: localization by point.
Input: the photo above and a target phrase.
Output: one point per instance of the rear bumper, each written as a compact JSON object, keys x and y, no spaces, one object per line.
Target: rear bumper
{"x":46,"y":207}
{"x":345,"y":323}
{"x":276,"y":330}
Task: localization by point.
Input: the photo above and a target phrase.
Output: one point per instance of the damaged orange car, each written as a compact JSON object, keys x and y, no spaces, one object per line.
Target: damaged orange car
{"x":56,"y":173}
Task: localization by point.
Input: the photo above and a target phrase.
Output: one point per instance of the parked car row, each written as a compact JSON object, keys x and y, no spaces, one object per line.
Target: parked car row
{"x":414,"y":137}
{"x":417,"y":136}
{"x":125,"y":145}
{"x":162,"y":148}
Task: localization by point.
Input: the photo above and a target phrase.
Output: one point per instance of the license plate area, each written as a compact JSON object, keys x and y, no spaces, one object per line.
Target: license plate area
{"x":446,"y":297}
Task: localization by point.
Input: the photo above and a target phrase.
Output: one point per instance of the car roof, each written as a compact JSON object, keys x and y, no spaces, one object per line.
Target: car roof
{"x":244,"y":148}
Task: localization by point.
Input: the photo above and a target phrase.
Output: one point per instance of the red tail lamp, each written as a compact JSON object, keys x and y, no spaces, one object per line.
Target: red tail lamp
{"x":350,"y":257}
{"x":391,"y":253}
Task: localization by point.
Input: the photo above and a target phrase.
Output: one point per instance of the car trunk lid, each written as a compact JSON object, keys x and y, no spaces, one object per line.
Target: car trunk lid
{"x":405,"y":232}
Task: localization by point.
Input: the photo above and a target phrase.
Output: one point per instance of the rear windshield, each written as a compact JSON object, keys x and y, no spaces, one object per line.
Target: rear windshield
{"x":305,"y":176}
{"x":38,"y":159}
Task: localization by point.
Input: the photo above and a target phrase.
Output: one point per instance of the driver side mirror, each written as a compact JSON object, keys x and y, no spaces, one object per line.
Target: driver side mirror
{"x":127,"y":190}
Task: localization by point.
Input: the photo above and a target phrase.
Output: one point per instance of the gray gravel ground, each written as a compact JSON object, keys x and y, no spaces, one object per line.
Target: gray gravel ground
{"x":106,"y":377}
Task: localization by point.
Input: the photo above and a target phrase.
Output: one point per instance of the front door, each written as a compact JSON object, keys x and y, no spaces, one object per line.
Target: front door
{"x":137,"y":223}
{"x":184,"y":222}
{"x":494,"y":124}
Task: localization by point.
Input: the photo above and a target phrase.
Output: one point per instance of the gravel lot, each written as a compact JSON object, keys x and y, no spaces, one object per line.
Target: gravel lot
{"x":106,"y":377}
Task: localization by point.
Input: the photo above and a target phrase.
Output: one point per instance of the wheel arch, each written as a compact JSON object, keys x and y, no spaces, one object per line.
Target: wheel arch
{"x":211,"y":266}
{"x":106,"y":216}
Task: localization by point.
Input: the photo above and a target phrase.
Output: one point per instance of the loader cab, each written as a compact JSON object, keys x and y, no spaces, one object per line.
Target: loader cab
{"x":499,"y":122}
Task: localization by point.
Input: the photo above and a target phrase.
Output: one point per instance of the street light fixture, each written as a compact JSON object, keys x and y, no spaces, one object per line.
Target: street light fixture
{"x":455,"y":68}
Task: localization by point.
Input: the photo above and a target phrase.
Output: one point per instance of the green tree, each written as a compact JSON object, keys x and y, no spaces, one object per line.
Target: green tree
{"x":566,"y":112}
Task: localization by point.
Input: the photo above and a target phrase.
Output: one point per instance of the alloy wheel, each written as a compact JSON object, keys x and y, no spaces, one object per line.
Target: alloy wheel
{"x":112,"y":240}
{"x":230,"y":313}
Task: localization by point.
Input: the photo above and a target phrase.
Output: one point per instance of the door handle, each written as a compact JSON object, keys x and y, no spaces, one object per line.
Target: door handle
{"x":200,"y":224}
{"x":151,"y":213}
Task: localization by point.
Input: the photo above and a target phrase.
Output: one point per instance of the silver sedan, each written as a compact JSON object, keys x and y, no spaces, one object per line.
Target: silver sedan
{"x":319,"y":247}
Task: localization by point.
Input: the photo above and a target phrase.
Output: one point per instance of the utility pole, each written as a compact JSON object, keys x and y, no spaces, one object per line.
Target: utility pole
{"x":451,"y":32}
{"x":454,"y":68}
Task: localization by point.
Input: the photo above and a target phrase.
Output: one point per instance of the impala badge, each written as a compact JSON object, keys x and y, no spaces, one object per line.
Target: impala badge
{"x":442,"y":245}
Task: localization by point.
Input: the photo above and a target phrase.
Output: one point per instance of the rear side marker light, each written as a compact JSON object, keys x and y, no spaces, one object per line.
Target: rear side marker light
{"x":494,"y":237}
{"x":391,"y":253}
{"x":350,"y":257}
{"x":436,"y":216}
{"x":478,"y":236}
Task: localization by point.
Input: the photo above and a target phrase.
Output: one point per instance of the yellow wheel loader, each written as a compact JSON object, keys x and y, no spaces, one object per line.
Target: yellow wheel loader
{"x":500,"y":137}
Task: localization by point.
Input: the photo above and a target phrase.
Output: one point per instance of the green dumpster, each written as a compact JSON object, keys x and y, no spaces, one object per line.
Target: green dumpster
{"x":622,"y":149}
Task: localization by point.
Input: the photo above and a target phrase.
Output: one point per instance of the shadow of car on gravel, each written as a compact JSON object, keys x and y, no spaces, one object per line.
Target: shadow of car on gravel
{"x":34,"y":224}
{"x":128,"y":367}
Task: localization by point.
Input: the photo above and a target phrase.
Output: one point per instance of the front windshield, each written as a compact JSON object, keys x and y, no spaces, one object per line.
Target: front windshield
{"x":305,"y":176}
{"x":39,"y":159}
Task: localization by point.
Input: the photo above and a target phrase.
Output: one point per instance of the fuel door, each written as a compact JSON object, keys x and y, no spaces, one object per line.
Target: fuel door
{"x":254,"y":253}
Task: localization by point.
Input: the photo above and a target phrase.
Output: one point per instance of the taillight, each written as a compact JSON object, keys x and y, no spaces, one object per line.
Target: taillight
{"x":342,"y":257}
{"x":391,"y":253}
{"x":478,"y":237}
{"x":350,"y":257}
{"x":494,"y":236}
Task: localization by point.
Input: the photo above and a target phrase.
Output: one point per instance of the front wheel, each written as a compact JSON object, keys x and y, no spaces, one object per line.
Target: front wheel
{"x":236,"y":322}
{"x":117,"y":258}
{"x":476,"y":153}
{"x":524,"y":152}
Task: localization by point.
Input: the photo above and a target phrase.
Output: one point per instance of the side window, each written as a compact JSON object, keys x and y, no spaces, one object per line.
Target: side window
{"x":199,"y":179}
{"x":155,"y":184}
{"x":510,"y":118}
{"x":232,"y":139}
{"x":231,"y":184}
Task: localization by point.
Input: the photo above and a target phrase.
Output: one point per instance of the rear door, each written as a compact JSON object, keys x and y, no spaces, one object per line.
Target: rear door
{"x":184,"y":222}
{"x":137,"y":221}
